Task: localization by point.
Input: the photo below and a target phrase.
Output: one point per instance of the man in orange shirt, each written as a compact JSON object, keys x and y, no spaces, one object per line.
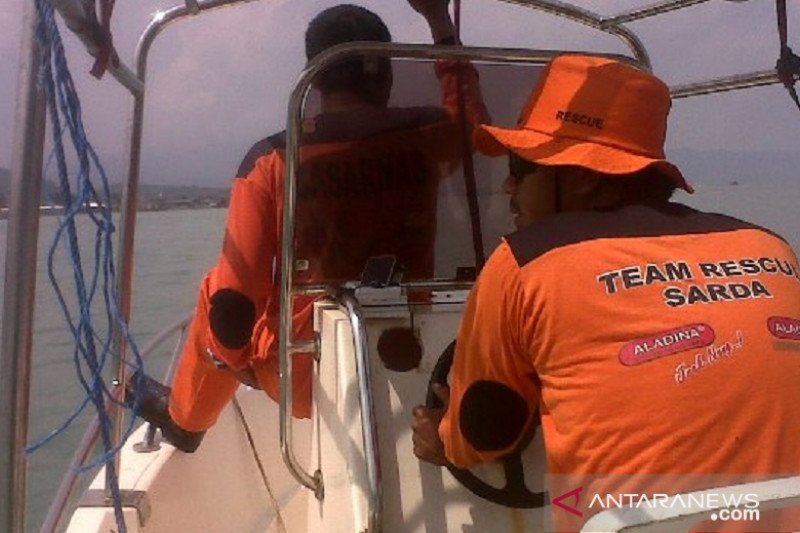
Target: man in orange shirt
{"x":646,"y":337}
{"x":367,"y":185}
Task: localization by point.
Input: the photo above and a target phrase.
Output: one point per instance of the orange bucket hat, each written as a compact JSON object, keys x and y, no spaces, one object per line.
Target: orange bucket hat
{"x":592,"y":112}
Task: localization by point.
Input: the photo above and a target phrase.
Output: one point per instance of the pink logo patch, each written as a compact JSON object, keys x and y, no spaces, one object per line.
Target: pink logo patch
{"x":666,"y":343}
{"x":784,"y":327}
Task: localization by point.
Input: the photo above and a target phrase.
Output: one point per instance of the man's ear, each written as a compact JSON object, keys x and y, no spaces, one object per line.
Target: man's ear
{"x":576,"y":187}
{"x":583,"y":189}
{"x":582,"y":181}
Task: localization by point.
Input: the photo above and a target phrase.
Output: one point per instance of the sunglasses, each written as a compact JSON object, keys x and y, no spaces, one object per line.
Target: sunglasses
{"x":518,"y":167}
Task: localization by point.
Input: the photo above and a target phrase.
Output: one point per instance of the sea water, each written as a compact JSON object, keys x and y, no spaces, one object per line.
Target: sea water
{"x":173,"y":250}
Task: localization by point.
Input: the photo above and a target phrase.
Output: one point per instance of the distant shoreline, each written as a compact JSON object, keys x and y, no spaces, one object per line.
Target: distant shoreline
{"x":49,"y":210}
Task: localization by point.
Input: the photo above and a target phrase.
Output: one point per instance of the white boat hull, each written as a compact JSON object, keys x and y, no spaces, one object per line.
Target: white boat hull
{"x":219,"y":488}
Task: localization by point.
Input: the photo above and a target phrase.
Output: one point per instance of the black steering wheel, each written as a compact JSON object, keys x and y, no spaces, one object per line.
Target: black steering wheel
{"x":514,"y":493}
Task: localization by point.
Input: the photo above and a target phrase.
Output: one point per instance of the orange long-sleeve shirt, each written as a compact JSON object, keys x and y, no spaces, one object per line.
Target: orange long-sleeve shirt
{"x":367,"y":186}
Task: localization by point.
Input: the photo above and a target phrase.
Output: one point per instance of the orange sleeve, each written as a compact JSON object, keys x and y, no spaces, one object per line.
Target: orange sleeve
{"x":450,"y":73}
{"x":249,"y":250}
{"x":451,"y":140}
{"x":494,"y":391}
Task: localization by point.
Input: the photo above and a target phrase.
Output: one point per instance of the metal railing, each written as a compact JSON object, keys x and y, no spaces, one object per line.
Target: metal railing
{"x":86,"y":27}
{"x":592,"y":20}
{"x":659,"y":8}
{"x":729,"y":83}
{"x":20,"y":279}
{"x":369,"y":425}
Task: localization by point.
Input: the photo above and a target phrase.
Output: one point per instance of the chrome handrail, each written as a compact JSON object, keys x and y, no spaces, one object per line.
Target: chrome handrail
{"x":20,"y":279}
{"x":730,"y":83}
{"x":658,"y":8}
{"x":321,"y":289}
{"x":369,"y":425}
{"x":592,"y":20}
{"x":85,"y":26}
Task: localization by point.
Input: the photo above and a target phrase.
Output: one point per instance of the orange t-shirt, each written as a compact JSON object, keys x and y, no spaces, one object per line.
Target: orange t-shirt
{"x":648,"y":341}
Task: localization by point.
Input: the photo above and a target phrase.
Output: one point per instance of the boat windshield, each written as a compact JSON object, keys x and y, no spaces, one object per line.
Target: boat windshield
{"x":392,"y":181}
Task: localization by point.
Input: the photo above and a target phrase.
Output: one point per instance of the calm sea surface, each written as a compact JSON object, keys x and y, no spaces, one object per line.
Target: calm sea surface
{"x":174,"y":249}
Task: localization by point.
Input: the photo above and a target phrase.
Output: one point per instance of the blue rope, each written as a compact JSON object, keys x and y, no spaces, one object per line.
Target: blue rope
{"x":92,"y":344}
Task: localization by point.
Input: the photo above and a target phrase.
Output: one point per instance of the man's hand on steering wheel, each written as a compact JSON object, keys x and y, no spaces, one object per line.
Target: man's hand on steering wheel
{"x":428,"y":445}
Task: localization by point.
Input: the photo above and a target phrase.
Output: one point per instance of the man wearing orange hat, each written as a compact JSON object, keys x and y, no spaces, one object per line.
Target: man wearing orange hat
{"x":646,"y":337}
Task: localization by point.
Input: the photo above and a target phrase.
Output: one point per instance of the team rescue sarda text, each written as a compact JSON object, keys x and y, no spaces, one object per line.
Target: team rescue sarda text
{"x":716,"y":285}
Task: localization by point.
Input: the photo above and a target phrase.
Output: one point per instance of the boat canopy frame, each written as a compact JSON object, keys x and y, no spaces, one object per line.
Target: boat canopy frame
{"x":26,"y":174}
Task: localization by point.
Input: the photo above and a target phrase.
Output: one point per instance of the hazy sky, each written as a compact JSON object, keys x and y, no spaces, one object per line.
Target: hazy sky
{"x":220,"y":81}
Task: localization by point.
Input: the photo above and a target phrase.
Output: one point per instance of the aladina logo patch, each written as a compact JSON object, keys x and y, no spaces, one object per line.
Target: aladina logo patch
{"x":784,"y":327}
{"x":673,"y":341}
